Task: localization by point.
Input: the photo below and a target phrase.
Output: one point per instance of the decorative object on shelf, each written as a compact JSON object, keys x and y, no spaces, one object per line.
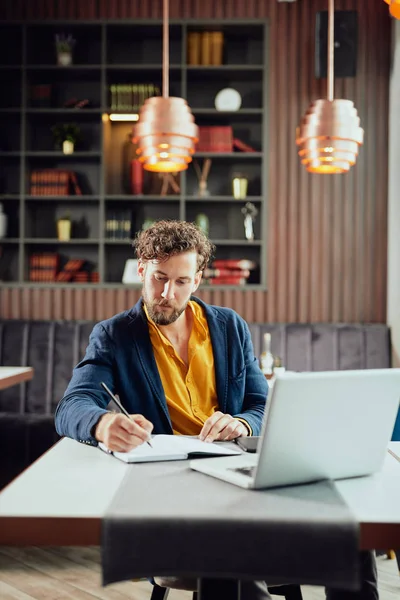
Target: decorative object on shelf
{"x":228,"y":99}
{"x":130,"y":97}
{"x":239,"y":145}
{"x":215,"y":138}
{"x":168,"y":182}
{"x":202,"y":176}
{"x":166,"y":133}
{"x":3,"y":223}
{"x":40,"y":95}
{"x":118,"y":225}
{"x":147,"y":223}
{"x":64,"y":47}
{"x":64,"y":228}
{"x":75,"y":103}
{"x":136,"y":177}
{"x":394,"y":8}
{"x":330,"y":134}
{"x":130,"y":274}
{"x":205,"y":48}
{"x":239,"y":186}
{"x":66,"y":135}
{"x":250,"y":212}
{"x":203,"y":223}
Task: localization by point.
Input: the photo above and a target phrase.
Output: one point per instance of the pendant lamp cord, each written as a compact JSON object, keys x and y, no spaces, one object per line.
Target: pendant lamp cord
{"x":331,"y":49}
{"x":165,"y":57}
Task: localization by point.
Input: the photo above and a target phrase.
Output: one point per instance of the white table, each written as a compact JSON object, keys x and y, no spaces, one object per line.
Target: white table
{"x":13,"y":375}
{"x":61,"y":499}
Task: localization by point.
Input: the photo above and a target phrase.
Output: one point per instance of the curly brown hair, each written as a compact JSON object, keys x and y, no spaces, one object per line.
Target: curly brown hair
{"x":167,"y":238}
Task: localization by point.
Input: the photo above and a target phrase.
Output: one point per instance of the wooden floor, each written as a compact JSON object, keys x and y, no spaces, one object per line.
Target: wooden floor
{"x":74,"y":573}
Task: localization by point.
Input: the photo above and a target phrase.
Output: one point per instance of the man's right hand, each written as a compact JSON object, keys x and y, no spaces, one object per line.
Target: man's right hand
{"x":121,"y":434}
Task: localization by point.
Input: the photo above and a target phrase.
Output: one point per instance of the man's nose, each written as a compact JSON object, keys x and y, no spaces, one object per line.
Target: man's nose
{"x":168,"y":291}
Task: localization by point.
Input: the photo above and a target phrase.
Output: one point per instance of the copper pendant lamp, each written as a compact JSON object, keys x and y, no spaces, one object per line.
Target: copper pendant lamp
{"x":394,"y":8}
{"x":166,"y":133}
{"x":329,"y":134}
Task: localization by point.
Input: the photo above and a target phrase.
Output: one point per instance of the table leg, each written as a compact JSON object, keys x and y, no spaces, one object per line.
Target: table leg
{"x":215,"y":589}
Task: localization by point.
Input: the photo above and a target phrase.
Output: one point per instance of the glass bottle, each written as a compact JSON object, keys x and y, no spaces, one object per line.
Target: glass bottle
{"x":267,"y":358}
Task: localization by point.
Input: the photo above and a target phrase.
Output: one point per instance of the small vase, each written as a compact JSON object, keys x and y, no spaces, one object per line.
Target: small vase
{"x":3,"y":223}
{"x":64,"y":59}
{"x":68,"y":147}
{"x":64,"y":230}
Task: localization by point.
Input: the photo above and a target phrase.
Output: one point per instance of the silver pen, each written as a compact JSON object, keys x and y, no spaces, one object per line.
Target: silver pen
{"x":118,"y":403}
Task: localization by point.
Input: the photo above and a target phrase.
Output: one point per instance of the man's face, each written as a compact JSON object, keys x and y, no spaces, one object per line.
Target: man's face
{"x":167,"y":286}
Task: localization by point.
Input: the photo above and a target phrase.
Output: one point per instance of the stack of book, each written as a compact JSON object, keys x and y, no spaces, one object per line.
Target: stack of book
{"x":54,"y":182}
{"x":229,"y":272}
{"x":130,"y":97}
{"x":45,"y":267}
{"x":205,"y":47}
{"x":215,"y":139}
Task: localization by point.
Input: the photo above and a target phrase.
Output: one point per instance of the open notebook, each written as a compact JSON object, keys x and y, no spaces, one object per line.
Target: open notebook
{"x":172,"y":447}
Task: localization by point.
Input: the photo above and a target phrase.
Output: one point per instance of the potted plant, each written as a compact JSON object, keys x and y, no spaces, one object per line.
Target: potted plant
{"x":66,"y":135}
{"x":64,"y":46}
{"x":64,"y":228}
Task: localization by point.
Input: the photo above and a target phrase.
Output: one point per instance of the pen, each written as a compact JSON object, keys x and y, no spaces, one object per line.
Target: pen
{"x":118,"y":403}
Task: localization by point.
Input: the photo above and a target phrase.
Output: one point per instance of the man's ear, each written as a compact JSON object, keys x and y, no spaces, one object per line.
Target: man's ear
{"x":141,"y":269}
{"x":197,"y":280}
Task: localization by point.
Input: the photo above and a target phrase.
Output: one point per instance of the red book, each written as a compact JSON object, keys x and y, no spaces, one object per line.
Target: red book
{"x":228,"y":281}
{"x":136,"y":177}
{"x":234,"y":263}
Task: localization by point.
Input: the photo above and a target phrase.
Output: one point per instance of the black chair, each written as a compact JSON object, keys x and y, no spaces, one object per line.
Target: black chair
{"x":290,"y":592}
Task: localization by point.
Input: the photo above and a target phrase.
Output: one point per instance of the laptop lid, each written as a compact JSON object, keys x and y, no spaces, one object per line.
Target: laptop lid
{"x":327,"y":425}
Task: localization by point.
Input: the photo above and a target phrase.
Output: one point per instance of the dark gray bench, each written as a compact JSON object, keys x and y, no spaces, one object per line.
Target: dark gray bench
{"x":52,"y":348}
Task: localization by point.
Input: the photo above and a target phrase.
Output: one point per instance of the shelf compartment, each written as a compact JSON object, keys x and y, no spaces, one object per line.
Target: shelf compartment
{"x":243,"y":44}
{"x":143,"y":44}
{"x":10,"y":176}
{"x":226,"y":222}
{"x":41,"y":48}
{"x":10,"y":38}
{"x":12,"y":210}
{"x":52,"y":88}
{"x":222,"y":171}
{"x":40,"y":139}
{"x":11,"y":90}
{"x":65,"y":251}
{"x":41,"y":221}
{"x":9,"y":259}
{"x":118,"y":154}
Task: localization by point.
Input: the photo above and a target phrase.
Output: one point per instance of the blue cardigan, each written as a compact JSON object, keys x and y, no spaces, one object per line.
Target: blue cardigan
{"x":120,"y":354}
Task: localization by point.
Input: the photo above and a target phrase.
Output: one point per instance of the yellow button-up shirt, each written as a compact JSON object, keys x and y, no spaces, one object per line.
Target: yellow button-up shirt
{"x":190,"y":390}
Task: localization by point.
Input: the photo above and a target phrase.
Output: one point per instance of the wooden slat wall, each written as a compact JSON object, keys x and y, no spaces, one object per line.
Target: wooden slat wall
{"x":327,"y":235}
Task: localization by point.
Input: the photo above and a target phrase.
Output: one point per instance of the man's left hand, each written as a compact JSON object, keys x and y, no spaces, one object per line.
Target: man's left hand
{"x":222,"y":427}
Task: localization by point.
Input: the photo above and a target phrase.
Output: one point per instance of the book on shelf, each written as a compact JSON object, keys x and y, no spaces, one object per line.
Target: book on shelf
{"x":234,"y":263}
{"x":44,"y":267}
{"x":239,"y":145}
{"x":130,"y":97}
{"x":229,"y":272}
{"x":227,"y":281}
{"x":54,"y":182}
{"x":215,"y":138}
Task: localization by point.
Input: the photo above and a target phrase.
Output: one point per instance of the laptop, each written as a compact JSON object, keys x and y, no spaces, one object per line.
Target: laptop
{"x":318,"y":425}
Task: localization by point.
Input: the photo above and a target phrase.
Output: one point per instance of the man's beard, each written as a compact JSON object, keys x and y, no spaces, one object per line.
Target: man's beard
{"x":161,"y":317}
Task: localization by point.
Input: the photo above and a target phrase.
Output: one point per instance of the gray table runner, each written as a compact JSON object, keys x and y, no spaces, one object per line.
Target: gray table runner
{"x":166,"y":519}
